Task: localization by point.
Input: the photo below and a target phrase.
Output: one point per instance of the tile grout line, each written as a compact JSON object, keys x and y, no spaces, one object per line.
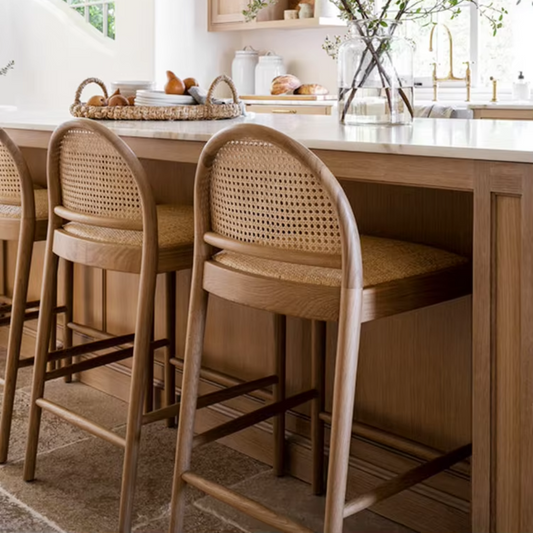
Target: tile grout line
{"x":31,"y":511}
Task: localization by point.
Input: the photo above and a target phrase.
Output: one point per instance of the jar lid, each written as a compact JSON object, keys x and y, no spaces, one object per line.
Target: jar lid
{"x":270,"y":57}
{"x":247,"y":51}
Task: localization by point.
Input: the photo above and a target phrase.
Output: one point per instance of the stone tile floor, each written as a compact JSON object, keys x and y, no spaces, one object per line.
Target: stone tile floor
{"x":78,"y":478}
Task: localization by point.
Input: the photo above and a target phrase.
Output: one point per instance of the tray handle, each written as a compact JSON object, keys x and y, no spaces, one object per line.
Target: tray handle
{"x":83,"y":84}
{"x":215,"y":84}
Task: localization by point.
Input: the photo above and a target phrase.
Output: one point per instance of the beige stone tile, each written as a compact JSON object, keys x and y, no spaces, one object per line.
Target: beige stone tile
{"x":97,"y":406}
{"x":293,"y":498}
{"x":16,"y":518}
{"x":24,"y":374}
{"x":196,"y":521}
{"x":78,"y":486}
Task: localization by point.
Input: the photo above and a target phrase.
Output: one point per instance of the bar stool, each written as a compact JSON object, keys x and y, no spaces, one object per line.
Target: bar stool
{"x":103,"y":214}
{"x":275,"y":231}
{"x":23,"y":218}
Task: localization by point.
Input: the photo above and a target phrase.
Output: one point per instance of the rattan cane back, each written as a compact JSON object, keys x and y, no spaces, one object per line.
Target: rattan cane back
{"x":95,"y":179}
{"x":261,"y":194}
{"x":268,"y":196}
{"x":16,"y":188}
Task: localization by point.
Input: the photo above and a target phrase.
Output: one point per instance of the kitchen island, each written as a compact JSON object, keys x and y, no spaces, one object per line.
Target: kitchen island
{"x":430,"y":380}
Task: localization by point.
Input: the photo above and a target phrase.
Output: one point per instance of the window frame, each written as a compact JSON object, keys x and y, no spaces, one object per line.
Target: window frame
{"x":86,"y":4}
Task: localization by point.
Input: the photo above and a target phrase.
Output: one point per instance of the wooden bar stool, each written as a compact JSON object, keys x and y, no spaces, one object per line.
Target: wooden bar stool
{"x":275,"y":231}
{"x":23,"y":218}
{"x":103,"y":214}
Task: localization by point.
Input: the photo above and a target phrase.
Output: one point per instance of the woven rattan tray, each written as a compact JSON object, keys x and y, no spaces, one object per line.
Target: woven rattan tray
{"x":209,"y":111}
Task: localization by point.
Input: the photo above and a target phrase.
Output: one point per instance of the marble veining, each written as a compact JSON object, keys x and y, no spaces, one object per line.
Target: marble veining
{"x":489,"y":140}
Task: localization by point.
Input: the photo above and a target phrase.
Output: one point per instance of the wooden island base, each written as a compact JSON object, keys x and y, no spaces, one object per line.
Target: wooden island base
{"x":423,"y":389}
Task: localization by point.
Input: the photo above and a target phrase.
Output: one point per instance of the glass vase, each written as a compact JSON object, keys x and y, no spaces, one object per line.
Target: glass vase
{"x":376,"y":82}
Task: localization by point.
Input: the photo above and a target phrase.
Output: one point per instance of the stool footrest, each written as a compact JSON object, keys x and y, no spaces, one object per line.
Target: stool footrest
{"x":28,"y":315}
{"x":253,"y":418}
{"x":406,"y":480}
{"x":81,"y":422}
{"x":88,"y":347}
{"x":88,"y":364}
{"x":211,"y":399}
{"x":244,"y":504}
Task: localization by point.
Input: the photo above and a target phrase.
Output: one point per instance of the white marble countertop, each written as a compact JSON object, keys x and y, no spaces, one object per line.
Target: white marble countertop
{"x":489,"y":140}
{"x":292,"y":103}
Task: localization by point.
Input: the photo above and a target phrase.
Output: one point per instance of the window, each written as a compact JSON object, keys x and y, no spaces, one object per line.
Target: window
{"x":98,"y":13}
{"x":502,"y":56}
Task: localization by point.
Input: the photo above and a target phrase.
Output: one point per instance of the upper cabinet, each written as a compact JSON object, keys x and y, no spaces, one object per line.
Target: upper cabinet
{"x":226,"y":15}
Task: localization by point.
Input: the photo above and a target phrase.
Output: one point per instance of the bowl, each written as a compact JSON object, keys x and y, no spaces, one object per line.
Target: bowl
{"x":130,"y":87}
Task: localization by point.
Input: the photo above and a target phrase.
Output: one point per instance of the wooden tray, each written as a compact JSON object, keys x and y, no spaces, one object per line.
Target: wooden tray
{"x":209,"y":111}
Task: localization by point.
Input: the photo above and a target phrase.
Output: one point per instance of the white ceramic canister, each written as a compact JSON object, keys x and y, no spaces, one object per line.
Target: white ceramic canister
{"x":243,"y":70}
{"x":269,"y":67}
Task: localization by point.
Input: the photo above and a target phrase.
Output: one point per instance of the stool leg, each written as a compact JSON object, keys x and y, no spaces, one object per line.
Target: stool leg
{"x":141,"y":357}
{"x":18,"y":311}
{"x":48,"y":297}
{"x":170,"y":352}
{"x":52,"y":365}
{"x":343,"y":408}
{"x":149,"y":394}
{"x":68,"y":285}
{"x":279,"y":389}
{"x":189,"y":394}
{"x":318,"y":354}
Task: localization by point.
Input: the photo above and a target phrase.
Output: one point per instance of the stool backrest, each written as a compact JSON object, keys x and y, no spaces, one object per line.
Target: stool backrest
{"x":261,"y":193}
{"x":94,"y":178}
{"x":16,"y":188}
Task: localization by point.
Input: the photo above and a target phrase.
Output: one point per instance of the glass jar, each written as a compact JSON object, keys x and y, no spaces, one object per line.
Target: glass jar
{"x":269,"y":67}
{"x":243,"y":70}
{"x":376,"y":82}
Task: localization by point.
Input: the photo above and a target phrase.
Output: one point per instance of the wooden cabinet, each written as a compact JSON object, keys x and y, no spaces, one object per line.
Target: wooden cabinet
{"x":226,"y":15}
{"x":503,"y":113}
{"x":290,"y":109}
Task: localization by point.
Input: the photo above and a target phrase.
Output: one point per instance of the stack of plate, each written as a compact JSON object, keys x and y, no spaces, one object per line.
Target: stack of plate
{"x":130,"y":88}
{"x":161,"y":99}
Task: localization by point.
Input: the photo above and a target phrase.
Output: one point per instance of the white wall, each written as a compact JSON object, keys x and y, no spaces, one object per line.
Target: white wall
{"x":54,"y":50}
{"x":184,"y":46}
{"x":301,"y":51}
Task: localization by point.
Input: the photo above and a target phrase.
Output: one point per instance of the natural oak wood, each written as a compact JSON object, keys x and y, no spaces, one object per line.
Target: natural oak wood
{"x":345,"y":304}
{"x":26,"y":230}
{"x":146,"y":259}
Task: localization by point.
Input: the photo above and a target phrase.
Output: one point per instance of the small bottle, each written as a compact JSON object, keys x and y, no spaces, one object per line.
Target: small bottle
{"x":521,"y":88}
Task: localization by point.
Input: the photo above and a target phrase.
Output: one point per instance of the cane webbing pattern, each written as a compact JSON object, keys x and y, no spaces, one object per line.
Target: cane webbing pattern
{"x":384,"y":260}
{"x":175,"y":228}
{"x":260,"y":194}
{"x":95,"y":179}
{"x":41,"y":207}
{"x":9,"y":175}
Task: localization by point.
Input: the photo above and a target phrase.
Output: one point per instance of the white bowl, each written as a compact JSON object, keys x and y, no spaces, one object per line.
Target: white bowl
{"x":130,"y":88}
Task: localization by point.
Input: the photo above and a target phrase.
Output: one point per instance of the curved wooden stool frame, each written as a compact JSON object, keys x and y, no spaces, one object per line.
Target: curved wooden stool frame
{"x":26,"y":229}
{"x":350,"y":305}
{"x":146,"y":259}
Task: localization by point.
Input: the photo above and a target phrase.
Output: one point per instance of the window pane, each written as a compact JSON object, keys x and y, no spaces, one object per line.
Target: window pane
{"x":77,"y":1}
{"x":96,"y":17}
{"x":80,"y":10}
{"x":111,"y":20}
{"x":509,"y":52}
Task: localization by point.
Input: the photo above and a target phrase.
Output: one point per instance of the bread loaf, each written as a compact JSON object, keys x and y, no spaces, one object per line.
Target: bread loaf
{"x":285,"y":84}
{"x":313,"y":89}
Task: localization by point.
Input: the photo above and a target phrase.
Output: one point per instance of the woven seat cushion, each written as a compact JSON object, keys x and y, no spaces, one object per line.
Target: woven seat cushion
{"x":384,"y":260}
{"x":175,"y":227}
{"x":41,"y":207}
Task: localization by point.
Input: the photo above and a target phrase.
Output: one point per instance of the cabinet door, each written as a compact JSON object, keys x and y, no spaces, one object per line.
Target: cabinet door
{"x":224,"y":11}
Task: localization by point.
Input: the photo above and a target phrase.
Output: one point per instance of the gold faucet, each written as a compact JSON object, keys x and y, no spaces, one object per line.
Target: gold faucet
{"x":451,"y":76}
{"x":494,"y":89}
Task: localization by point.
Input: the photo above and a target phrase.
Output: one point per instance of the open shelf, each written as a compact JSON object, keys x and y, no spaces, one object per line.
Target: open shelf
{"x":292,"y":24}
